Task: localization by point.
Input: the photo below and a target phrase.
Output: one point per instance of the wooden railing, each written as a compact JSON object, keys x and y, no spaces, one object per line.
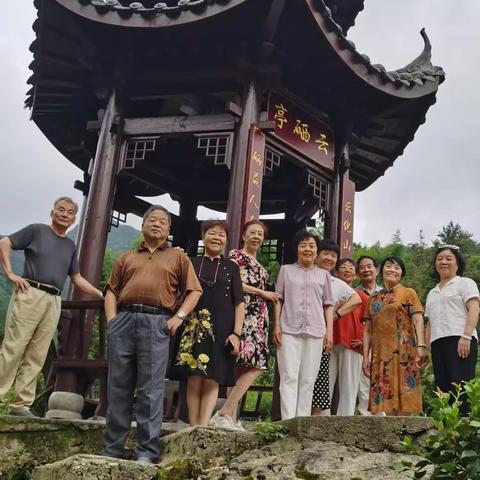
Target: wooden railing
{"x":260,"y":391}
{"x":80,"y":361}
{"x":76,"y":329}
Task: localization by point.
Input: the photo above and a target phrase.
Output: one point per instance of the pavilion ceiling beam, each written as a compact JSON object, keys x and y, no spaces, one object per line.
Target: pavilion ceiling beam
{"x":55,"y":95}
{"x":189,"y":75}
{"x":371,"y":149}
{"x":59,"y":61}
{"x":178,"y":124}
{"x":391,"y":137}
{"x":370,"y":154}
{"x":54,"y":83}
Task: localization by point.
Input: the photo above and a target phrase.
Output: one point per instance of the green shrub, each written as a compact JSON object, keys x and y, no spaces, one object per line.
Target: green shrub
{"x":269,"y":431}
{"x":453,"y":451}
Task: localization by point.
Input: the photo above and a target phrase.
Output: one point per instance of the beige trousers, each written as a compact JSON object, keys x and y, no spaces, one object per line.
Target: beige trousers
{"x":32,"y":318}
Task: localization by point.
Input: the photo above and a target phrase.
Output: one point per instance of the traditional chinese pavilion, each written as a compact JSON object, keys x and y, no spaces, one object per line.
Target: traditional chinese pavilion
{"x":248,"y":107}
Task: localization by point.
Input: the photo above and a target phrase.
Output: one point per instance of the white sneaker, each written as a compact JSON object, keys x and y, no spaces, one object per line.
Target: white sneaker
{"x":240,"y":427}
{"x":222,"y":421}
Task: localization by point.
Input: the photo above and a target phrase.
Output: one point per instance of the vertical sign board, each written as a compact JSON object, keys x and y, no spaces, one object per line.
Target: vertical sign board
{"x":252,"y":191}
{"x":302,"y":131}
{"x":345,"y":234}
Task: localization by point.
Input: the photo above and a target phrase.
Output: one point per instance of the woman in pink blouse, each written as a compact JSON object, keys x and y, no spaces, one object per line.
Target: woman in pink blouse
{"x":303,"y":326}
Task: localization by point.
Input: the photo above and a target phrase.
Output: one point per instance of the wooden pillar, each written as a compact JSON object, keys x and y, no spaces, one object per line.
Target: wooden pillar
{"x":342,"y":162}
{"x":91,"y":246}
{"x":331,"y":225}
{"x":98,"y":210}
{"x":188,"y":234}
{"x":345,"y":215}
{"x":250,"y":115}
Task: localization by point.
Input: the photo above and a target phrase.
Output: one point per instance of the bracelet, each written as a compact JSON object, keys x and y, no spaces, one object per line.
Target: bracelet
{"x":181,"y":315}
{"x":236,"y":334}
{"x":338,"y":314}
{"x":422,"y":345}
{"x":466,"y":337}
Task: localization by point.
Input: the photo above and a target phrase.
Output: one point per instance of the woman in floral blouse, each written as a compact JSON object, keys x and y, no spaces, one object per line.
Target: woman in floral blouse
{"x":253,"y":356}
{"x":395,"y":333}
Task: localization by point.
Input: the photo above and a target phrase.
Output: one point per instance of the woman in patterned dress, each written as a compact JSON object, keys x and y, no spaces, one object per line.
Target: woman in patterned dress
{"x":253,"y":356}
{"x":395,"y":333}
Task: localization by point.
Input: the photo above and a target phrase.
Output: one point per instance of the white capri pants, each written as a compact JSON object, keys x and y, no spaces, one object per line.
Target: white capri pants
{"x":298,"y":360}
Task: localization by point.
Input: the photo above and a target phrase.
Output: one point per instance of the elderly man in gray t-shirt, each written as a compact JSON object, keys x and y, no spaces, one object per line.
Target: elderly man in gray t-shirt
{"x":34,"y":309}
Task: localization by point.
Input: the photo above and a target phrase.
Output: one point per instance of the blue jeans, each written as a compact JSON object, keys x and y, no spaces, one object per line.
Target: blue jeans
{"x":137,"y":359}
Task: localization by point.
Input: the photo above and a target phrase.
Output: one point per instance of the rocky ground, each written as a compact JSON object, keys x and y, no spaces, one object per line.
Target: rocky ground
{"x":346,"y":448}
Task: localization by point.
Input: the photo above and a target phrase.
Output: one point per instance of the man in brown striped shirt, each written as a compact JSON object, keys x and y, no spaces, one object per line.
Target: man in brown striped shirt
{"x":140,"y":306}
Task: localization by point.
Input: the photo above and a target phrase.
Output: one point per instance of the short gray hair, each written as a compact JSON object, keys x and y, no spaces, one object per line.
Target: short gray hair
{"x":152,"y":208}
{"x":65,"y":199}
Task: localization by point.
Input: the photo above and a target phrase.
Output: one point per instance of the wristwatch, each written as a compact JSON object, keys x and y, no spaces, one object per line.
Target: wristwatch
{"x":181,"y":315}
{"x":337,"y":314}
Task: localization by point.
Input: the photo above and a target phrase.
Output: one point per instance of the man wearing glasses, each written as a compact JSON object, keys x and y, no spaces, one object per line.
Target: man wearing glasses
{"x":34,"y":309}
{"x":141,"y":303}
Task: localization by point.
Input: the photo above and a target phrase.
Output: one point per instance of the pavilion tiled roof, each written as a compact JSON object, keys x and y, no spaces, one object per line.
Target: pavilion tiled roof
{"x":389,"y":105}
{"x":343,"y":11}
{"x":339,"y":16}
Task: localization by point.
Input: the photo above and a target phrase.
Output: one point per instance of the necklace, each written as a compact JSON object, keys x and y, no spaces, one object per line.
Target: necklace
{"x":208,"y":282}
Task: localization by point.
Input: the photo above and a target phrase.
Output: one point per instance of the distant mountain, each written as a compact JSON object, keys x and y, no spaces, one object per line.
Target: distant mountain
{"x":119,"y":240}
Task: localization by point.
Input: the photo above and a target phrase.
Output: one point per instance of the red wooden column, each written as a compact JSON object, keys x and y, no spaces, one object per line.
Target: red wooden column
{"x":75,"y":338}
{"x":345,"y":215}
{"x":252,"y":196}
{"x":236,"y":193}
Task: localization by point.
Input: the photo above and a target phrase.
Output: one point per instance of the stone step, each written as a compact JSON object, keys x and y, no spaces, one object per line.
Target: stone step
{"x":26,"y":442}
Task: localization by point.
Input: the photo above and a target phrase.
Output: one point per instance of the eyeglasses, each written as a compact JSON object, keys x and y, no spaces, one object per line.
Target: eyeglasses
{"x":451,"y":247}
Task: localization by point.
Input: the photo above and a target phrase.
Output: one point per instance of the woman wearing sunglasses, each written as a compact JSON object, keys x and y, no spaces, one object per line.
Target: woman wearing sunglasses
{"x":211,"y":339}
{"x":452,"y":309}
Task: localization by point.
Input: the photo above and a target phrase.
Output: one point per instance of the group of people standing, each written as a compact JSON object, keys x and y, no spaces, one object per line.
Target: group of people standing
{"x":338,"y":348}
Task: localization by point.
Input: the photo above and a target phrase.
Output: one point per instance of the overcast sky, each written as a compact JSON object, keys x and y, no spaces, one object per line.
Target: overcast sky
{"x":435,"y":181}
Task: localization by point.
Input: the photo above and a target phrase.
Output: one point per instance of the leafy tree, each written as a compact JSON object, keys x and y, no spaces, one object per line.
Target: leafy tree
{"x":397,"y":238}
{"x":454,"y":234}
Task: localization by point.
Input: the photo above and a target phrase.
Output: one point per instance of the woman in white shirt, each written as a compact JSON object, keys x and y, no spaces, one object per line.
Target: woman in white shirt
{"x":452,"y":309}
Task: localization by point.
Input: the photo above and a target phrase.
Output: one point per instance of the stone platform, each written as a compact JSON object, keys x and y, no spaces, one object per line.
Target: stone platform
{"x":321,"y":448}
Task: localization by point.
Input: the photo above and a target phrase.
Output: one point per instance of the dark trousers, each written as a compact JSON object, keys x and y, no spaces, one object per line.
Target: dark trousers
{"x":449,"y":368}
{"x":137,"y":360}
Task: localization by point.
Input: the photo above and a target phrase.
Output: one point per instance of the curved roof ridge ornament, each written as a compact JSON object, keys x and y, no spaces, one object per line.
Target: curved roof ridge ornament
{"x":421,"y":70}
{"x":399,"y":83}
{"x":423,"y":60}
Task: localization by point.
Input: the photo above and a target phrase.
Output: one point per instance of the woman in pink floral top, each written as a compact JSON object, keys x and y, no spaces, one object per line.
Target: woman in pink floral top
{"x":253,"y":356}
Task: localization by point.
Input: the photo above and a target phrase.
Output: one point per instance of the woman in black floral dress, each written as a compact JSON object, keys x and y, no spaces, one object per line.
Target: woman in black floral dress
{"x":253,"y":356}
{"x":211,"y":338}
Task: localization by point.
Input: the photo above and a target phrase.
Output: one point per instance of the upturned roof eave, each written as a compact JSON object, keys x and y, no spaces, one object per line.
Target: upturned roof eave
{"x":418,"y":79}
